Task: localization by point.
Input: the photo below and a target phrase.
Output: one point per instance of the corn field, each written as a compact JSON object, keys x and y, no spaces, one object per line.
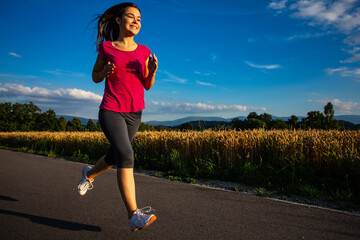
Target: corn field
{"x":327,"y":160}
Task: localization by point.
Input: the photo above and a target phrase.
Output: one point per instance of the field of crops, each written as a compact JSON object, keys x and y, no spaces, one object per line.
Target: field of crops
{"x":313,"y":162}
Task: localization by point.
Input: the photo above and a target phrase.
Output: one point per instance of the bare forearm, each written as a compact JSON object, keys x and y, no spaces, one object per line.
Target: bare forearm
{"x":151,"y":67}
{"x":98,"y":77}
{"x":149,"y":81}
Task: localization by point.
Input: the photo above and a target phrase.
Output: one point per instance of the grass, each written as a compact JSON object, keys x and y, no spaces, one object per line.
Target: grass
{"x":262,"y":192}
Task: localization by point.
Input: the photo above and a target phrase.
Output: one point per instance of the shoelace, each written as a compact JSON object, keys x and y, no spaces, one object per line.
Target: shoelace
{"x":87,"y":185}
{"x":90,"y":183}
{"x":144,"y":210}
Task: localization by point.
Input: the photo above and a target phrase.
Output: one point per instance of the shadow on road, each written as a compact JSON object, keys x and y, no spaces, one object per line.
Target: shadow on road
{"x":54,"y":222}
{"x":6,"y":198}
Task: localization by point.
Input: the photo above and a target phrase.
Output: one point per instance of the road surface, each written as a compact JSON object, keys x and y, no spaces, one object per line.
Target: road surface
{"x":39,"y":200}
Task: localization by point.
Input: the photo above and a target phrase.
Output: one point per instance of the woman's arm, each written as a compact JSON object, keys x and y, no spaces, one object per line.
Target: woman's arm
{"x":151,"y":66}
{"x":101,"y":70}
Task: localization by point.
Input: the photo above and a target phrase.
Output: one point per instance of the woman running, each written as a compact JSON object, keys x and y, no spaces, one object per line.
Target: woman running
{"x":127,"y":68}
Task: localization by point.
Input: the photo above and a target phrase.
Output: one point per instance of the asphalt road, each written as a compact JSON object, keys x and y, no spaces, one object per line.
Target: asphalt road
{"x":39,"y":200}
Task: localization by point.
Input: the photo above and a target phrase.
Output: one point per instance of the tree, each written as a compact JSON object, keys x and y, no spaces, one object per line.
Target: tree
{"x":266,"y":118}
{"x":6,"y":118}
{"x":329,"y":120}
{"x":237,"y":124}
{"x":19,"y":117}
{"x":278,"y":124}
{"x":42,"y":123}
{"x":76,"y":125}
{"x":62,"y":124}
{"x":186,"y":126}
{"x":98,"y":126}
{"x":69,"y":126}
{"x":53,"y":121}
{"x":31,"y":113}
{"x":293,"y":122}
{"x":315,"y":120}
{"x":252,"y":115}
{"x":91,"y":126}
{"x":146,"y":127}
{"x":253,"y":123}
{"x":303,"y":124}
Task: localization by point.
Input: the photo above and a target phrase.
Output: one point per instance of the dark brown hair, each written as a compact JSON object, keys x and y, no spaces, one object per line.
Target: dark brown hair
{"x":108,"y":29}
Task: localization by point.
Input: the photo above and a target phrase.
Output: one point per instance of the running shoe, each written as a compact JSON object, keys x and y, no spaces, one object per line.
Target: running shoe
{"x":85,"y":183}
{"x":140,"y":219}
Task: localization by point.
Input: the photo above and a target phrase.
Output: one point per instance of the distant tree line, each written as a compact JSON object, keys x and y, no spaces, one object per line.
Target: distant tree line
{"x":314,"y":120}
{"x":148,"y":127}
{"x":28,"y":117}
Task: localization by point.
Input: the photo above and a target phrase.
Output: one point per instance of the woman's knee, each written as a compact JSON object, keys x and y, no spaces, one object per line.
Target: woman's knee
{"x":126,"y":159}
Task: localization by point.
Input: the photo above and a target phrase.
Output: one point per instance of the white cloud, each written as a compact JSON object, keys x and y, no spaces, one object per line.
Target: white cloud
{"x":274,"y":66}
{"x":355,"y":52}
{"x":172,"y":78}
{"x":61,"y":96}
{"x":204,"y":74}
{"x":341,"y":106}
{"x":304,"y":36}
{"x":341,"y":15}
{"x":179,"y":108}
{"x":345,"y":106}
{"x":352,"y":73}
{"x":14,"y":55}
{"x":279,"y":4}
{"x":345,"y":71}
{"x":331,"y":71}
{"x":205,"y":84}
{"x":353,"y":39}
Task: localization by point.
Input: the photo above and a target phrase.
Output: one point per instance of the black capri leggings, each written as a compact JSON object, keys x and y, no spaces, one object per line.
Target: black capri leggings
{"x":120,"y":129}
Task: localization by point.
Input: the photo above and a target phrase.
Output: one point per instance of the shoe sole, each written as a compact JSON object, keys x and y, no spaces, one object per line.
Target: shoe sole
{"x":80,"y":181}
{"x":152,"y":219}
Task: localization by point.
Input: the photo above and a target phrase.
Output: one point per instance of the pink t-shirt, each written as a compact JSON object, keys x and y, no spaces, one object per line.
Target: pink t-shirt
{"x":124,"y":89}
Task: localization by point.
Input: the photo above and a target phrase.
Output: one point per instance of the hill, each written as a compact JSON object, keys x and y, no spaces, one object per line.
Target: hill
{"x":354,"y":119}
{"x":180,"y":121}
{"x":84,"y":121}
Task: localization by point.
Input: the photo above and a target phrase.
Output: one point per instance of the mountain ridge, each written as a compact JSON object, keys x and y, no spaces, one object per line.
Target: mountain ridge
{"x":84,"y":121}
{"x":355,"y":119}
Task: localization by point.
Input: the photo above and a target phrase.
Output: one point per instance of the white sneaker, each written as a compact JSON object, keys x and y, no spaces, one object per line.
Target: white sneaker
{"x":140,"y":220}
{"x":85,"y":184}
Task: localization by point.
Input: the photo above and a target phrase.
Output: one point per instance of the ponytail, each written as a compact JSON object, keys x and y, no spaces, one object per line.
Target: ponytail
{"x":108,"y":29}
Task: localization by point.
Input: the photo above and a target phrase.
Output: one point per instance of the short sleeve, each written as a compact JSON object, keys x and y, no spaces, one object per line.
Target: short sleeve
{"x":147,"y":52}
{"x":101,"y":51}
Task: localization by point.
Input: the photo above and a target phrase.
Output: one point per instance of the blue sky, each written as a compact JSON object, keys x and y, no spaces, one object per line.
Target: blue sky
{"x":216,"y":58}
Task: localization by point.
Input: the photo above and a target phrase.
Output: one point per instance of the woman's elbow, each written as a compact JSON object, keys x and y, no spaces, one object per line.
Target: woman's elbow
{"x":148,"y":86}
{"x":95,"y":79}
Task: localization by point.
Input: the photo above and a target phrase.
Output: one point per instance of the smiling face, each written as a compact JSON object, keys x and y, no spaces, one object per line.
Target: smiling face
{"x":130,"y":22}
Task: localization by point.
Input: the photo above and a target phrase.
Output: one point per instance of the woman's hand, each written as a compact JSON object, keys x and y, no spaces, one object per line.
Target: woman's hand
{"x":101,"y":69}
{"x":152,"y":64}
{"x":151,"y":68}
{"x":108,"y":68}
